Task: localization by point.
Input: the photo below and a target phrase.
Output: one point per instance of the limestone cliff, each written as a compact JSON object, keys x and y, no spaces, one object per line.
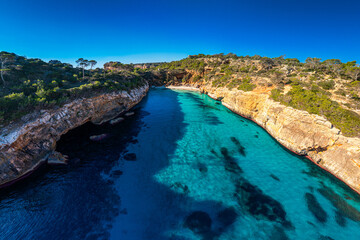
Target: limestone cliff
{"x":25,"y":146}
{"x":305,"y":134}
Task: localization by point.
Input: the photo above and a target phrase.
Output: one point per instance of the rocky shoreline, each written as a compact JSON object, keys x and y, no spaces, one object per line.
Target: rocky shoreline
{"x":27,"y":145}
{"x":305,"y":134}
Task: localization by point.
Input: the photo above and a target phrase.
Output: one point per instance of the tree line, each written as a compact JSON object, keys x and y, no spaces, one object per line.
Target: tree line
{"x":84,"y":63}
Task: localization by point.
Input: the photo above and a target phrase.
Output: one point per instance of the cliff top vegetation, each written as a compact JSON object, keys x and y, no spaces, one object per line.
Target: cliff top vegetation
{"x":30,"y":84}
{"x":329,"y":88}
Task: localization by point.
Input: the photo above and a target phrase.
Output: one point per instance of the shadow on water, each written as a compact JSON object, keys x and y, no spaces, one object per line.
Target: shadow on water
{"x":162,"y":207}
{"x":81,"y":201}
{"x":108,"y":189}
{"x":69,"y":202}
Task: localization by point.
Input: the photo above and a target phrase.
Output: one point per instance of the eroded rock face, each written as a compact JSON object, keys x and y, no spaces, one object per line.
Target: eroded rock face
{"x":25,"y":146}
{"x":304,"y":133}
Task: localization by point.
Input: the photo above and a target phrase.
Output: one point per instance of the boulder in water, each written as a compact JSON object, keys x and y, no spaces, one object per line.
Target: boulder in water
{"x":97,"y":138}
{"x":116,"y":120}
{"x":56,"y":158}
{"x":128,"y":114}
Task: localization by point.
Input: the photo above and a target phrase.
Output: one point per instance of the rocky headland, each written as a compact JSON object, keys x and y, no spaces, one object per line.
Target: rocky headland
{"x":31,"y":142}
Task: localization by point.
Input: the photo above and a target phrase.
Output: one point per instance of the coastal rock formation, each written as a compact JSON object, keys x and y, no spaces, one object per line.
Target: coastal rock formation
{"x":304,"y":133}
{"x":25,"y":146}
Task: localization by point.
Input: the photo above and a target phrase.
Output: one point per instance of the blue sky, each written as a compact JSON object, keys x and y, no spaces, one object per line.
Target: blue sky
{"x":143,"y":31}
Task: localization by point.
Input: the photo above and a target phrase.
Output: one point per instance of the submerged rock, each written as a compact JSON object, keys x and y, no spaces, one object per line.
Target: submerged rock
{"x":97,"y":138}
{"x":227,"y":216}
{"x":315,"y":208}
{"x":342,"y":205}
{"x":199,"y":222}
{"x":134,"y":141}
{"x":259,"y":204}
{"x":124,"y":211}
{"x":240,"y":148}
{"x":310,"y":223}
{"x":340,"y":219}
{"x":116,"y":173}
{"x":180,"y":187}
{"x":275,"y":177}
{"x":130,"y":157}
{"x":202,"y":168}
{"x":230,"y":162}
{"x":233,"y":167}
{"x":213,"y":120}
{"x":278,"y":233}
{"x":213,"y":152}
{"x":323,"y":237}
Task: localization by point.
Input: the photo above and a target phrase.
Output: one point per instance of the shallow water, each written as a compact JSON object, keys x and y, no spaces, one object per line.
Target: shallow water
{"x":182,"y":167}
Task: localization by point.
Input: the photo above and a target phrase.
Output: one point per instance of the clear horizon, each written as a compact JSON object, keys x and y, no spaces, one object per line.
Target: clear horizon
{"x":143,"y":31}
{"x":134,"y":59}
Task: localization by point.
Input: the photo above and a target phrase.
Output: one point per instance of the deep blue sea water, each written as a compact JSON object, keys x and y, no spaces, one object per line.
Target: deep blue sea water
{"x":182,"y":167}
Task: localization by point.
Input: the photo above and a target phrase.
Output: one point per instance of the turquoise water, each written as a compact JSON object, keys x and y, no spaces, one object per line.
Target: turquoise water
{"x":183,"y":167}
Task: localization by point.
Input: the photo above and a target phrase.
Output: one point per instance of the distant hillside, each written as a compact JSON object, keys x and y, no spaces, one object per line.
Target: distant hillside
{"x":118,"y":66}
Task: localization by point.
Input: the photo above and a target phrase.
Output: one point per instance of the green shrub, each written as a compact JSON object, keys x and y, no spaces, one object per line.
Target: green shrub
{"x":354,"y":96}
{"x":276,"y":94}
{"x":341,"y":92}
{"x":327,"y":85}
{"x":197,"y":78}
{"x":247,"y":86}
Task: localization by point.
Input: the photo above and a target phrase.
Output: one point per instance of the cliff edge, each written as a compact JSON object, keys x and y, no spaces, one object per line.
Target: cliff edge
{"x":25,"y":146}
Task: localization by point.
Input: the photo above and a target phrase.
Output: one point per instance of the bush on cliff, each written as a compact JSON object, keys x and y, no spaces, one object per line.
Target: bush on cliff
{"x":316,"y":102}
{"x":327,"y":85}
{"x":246,"y":85}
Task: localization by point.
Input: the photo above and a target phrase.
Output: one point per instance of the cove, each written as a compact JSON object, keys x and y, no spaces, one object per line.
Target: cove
{"x":182,"y":167}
